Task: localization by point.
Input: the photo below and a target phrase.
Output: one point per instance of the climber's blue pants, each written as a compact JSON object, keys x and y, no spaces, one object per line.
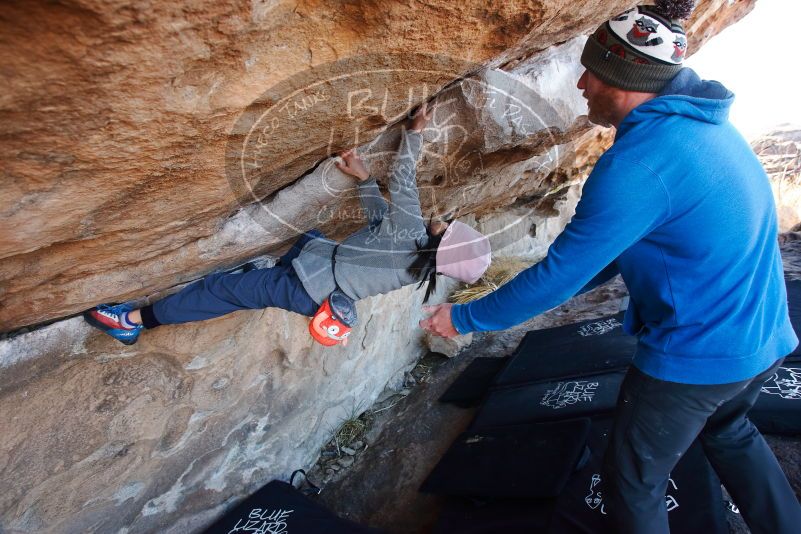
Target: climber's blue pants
{"x":221,"y":293}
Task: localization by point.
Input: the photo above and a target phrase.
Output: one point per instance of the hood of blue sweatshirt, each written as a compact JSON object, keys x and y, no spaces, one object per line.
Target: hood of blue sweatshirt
{"x":688,"y":95}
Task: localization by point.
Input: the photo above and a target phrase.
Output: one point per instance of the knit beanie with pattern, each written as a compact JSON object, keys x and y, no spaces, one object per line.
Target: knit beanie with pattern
{"x":641,"y":49}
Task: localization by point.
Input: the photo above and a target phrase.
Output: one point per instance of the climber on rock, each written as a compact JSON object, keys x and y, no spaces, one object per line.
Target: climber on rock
{"x":321,"y":278}
{"x":681,"y":208}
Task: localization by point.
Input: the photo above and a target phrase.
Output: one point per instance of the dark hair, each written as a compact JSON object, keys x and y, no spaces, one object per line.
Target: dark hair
{"x":424,"y":266}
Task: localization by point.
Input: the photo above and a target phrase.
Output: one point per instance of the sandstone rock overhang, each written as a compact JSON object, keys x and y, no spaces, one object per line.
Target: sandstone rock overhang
{"x":116,"y":119}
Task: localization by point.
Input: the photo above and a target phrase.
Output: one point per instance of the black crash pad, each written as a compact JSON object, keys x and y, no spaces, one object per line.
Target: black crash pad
{"x":694,"y":498}
{"x":472,"y":384}
{"x":778,"y":407}
{"x":468,"y":516}
{"x":280,"y":508}
{"x":582,"y":348}
{"x":523,"y":461}
{"x":581,"y":396}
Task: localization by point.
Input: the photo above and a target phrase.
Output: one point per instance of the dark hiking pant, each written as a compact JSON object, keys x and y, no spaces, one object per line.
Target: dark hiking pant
{"x":222,"y":293}
{"x":655,"y":423}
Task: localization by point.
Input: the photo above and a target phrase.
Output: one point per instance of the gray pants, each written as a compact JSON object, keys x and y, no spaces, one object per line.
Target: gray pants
{"x":655,"y":423}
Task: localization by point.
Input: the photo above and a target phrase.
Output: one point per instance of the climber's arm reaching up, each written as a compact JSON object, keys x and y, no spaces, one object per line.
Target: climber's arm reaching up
{"x":405,"y":211}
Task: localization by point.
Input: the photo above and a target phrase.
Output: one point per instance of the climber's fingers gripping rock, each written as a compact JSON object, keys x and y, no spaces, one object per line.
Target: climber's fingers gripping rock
{"x":439,"y":322}
{"x":353,"y":165}
{"x":421,"y":117}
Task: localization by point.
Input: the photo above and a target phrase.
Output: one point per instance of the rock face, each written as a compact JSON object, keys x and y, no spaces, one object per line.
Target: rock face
{"x":170,"y":430}
{"x":780,"y":154}
{"x":147,"y":144}
{"x":116,"y":118}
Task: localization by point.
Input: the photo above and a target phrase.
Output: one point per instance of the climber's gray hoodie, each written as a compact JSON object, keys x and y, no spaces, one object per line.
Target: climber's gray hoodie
{"x":374,"y":259}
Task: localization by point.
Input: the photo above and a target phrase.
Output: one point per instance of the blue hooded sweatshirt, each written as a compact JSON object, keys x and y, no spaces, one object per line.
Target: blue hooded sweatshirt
{"x":681,"y":207}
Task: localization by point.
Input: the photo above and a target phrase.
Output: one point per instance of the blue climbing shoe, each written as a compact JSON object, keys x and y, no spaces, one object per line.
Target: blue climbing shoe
{"x":107,"y":318}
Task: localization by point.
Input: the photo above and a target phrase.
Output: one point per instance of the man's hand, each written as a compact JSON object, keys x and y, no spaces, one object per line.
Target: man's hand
{"x":439,"y":322}
{"x":353,"y":165}
{"x":421,"y":118}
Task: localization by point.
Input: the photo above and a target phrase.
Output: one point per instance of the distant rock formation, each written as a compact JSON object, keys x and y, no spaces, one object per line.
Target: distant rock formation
{"x":780,"y":154}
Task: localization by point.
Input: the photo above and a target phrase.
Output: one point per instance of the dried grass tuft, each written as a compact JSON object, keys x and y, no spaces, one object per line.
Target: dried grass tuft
{"x":500,"y":271}
{"x":353,"y":427}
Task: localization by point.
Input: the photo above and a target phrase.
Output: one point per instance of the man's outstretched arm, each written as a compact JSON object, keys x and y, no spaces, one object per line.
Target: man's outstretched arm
{"x":621,"y":203}
{"x":606,"y":274}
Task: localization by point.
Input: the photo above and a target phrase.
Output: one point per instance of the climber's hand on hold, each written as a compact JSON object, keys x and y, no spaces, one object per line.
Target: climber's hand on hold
{"x":353,"y":165}
{"x":421,"y":117}
{"x":439,"y":322}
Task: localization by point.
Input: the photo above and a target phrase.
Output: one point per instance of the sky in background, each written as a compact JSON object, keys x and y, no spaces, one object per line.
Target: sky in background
{"x":759,"y":59}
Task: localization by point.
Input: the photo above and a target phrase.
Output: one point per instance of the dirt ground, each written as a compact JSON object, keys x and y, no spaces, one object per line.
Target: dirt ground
{"x":408,"y":433}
